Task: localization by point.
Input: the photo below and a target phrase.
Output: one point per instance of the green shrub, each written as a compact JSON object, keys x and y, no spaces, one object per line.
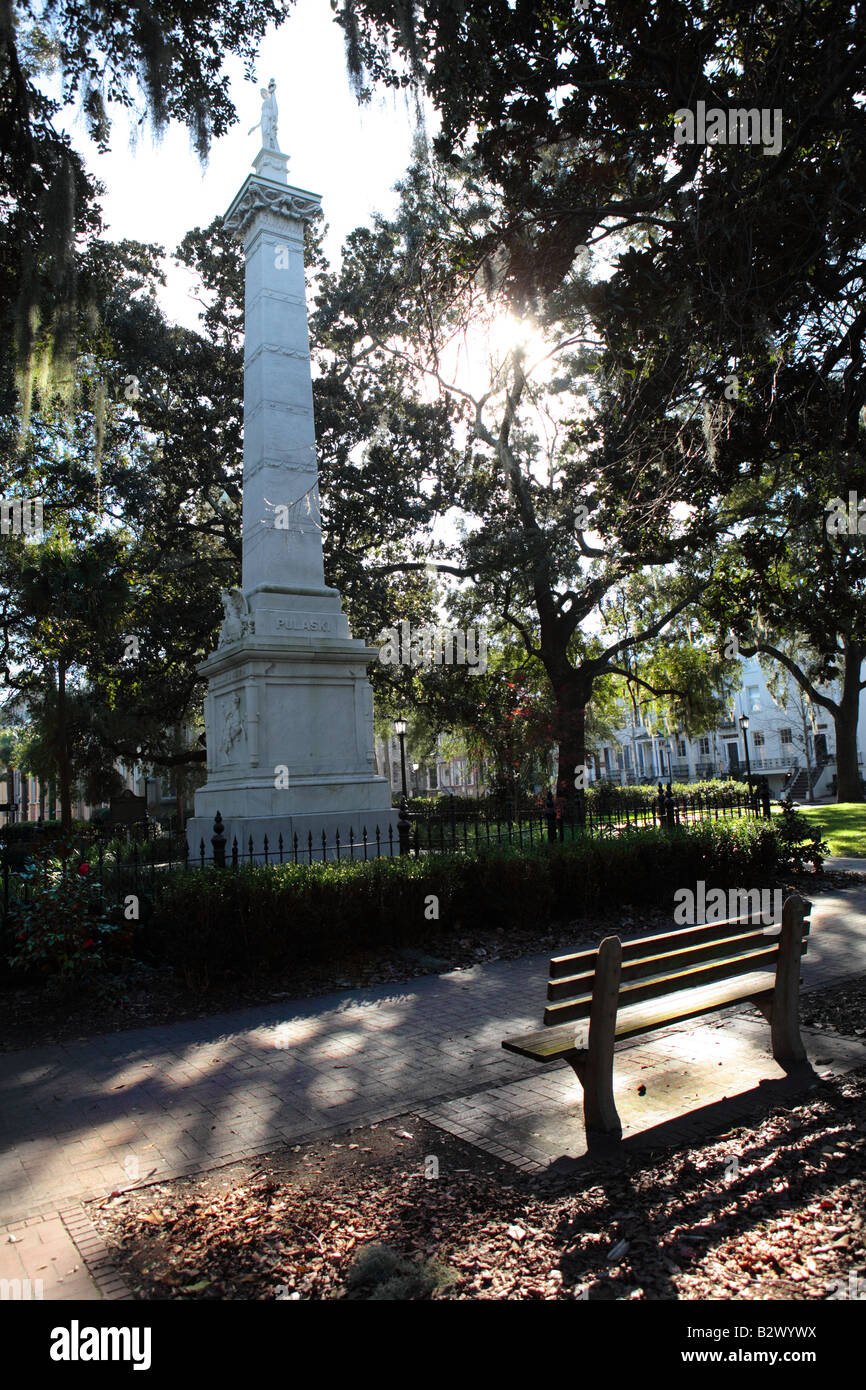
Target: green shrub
{"x":717,"y":787}
{"x":63,"y":926}
{"x":380,"y":1273}
{"x":799,"y":842}
{"x":600,"y":797}
{"x":31,"y":830}
{"x":443,"y":804}
{"x":258,"y":920}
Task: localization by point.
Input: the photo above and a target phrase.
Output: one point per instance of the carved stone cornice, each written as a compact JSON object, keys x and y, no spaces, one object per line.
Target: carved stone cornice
{"x":284,"y":407}
{"x":295,"y":353}
{"x":263,"y":195}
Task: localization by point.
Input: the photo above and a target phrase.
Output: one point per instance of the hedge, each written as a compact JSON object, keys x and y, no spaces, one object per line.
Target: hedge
{"x":603,"y":792}
{"x":255,"y":920}
{"x":444,"y":804}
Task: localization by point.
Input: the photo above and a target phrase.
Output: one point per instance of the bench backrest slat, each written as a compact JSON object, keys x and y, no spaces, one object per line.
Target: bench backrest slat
{"x":641,"y":966}
{"x":668,"y":982}
{"x":578,"y":962}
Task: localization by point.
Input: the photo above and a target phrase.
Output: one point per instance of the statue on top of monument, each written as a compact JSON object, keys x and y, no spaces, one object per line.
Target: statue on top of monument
{"x":268,"y":121}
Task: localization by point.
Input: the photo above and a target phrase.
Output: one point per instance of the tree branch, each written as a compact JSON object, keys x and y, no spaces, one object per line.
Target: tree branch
{"x":799,"y":676}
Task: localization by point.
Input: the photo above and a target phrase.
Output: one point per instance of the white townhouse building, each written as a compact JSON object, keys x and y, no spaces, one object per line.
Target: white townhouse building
{"x":791,"y":743}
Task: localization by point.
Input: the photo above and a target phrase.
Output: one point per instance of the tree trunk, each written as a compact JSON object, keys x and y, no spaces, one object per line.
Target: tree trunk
{"x":572,"y":696}
{"x":850,"y":785}
{"x":811,"y":791}
{"x":64,"y":777}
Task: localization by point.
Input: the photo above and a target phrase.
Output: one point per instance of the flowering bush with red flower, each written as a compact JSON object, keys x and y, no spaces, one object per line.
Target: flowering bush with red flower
{"x":511,"y":733}
{"x":62,"y":925}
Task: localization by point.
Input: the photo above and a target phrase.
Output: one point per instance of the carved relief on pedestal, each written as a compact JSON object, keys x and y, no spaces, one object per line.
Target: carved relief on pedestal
{"x":367,"y":711}
{"x":238,"y":620}
{"x":231,"y":726}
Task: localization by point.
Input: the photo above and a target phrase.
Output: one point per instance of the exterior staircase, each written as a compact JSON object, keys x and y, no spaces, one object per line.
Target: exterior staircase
{"x":799,"y":788}
{"x":799,"y":781}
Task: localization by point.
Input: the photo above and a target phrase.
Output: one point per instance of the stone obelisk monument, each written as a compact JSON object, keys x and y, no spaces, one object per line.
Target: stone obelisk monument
{"x":289,"y":708}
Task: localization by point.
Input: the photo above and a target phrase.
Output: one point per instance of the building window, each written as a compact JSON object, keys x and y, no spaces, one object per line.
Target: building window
{"x":753,"y":697}
{"x":785,"y":736}
{"x":704,"y":747}
{"x":681,"y":748}
{"x":758,"y":739}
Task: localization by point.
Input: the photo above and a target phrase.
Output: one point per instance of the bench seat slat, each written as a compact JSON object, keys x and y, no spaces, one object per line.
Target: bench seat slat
{"x":670,"y":982}
{"x":579,"y":962}
{"x":549,"y":1044}
{"x":688,"y":1003}
{"x":577,"y":986}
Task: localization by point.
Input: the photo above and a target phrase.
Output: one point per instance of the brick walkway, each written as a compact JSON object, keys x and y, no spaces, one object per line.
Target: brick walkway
{"x":58,"y":1257}
{"x":672,"y":1087}
{"x":82,"y":1118}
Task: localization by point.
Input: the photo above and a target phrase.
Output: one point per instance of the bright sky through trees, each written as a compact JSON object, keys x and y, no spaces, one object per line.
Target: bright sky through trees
{"x":351,"y":154}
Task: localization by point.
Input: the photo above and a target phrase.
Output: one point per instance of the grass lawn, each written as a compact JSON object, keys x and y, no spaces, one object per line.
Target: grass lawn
{"x":843,"y":826}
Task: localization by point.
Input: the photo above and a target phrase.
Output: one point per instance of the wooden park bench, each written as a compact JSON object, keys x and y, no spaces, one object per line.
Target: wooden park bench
{"x":621,"y":989}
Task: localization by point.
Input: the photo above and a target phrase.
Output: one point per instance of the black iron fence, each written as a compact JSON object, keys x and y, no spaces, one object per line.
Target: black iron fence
{"x":614,"y":811}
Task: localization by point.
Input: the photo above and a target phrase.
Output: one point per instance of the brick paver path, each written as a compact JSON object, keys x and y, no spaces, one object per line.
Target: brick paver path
{"x":674,"y":1086}
{"x":81,"y":1118}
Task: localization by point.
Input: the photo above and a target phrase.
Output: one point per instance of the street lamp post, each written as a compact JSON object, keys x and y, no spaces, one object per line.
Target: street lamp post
{"x":744,"y":725}
{"x":146,"y":781}
{"x":400,"y":727}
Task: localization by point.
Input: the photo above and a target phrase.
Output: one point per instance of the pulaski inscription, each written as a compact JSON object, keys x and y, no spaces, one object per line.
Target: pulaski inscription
{"x":305,"y":624}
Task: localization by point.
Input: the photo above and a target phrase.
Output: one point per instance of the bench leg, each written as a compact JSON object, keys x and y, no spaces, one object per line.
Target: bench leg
{"x":595,"y":1067}
{"x":785,"y":1016}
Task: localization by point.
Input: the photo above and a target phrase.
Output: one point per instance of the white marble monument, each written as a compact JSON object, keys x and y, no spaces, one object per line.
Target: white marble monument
{"x":289,"y":708}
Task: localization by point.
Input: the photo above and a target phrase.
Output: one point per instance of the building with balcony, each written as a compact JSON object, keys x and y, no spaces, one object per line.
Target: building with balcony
{"x":793,"y":744}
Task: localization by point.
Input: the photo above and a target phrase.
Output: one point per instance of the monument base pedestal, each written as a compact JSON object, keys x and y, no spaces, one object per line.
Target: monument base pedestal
{"x":289,"y":729}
